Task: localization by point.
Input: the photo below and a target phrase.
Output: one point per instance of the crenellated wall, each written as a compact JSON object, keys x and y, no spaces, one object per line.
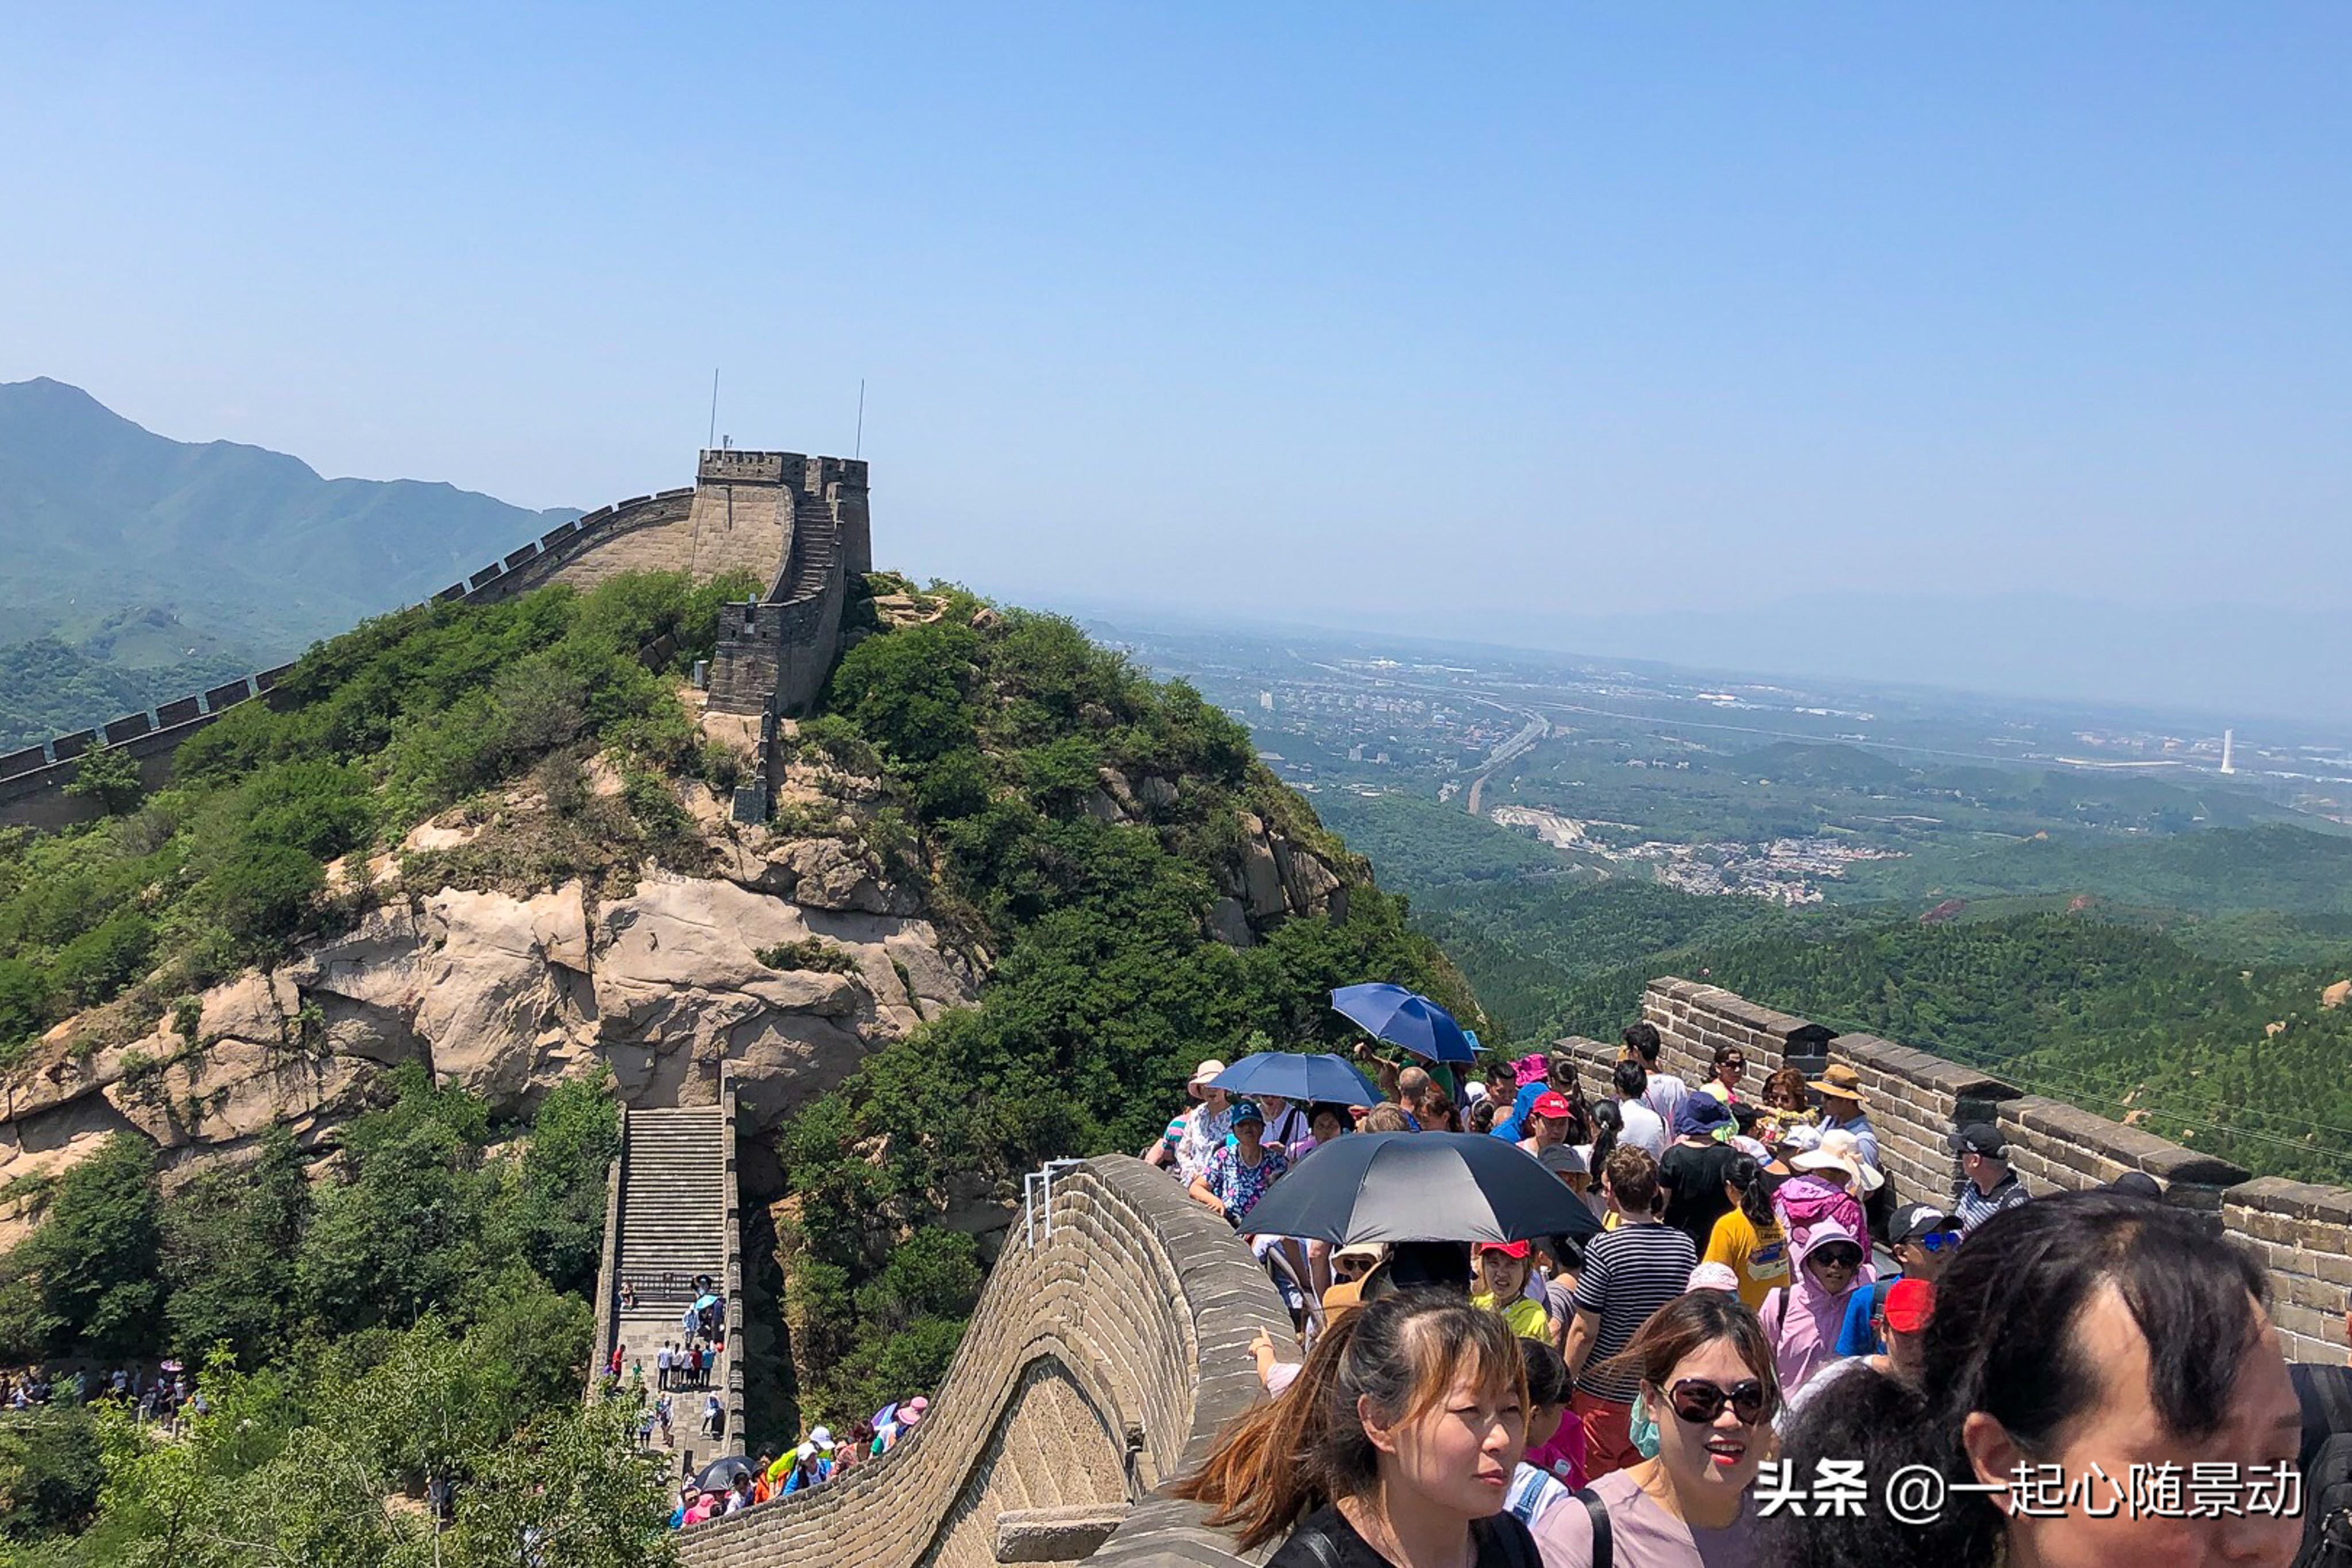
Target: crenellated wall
{"x":1104,"y":1357}
{"x":1916,"y":1099}
{"x":798,"y":524}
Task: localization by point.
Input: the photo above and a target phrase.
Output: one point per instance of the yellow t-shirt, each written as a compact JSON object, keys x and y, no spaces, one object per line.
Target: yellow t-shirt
{"x":1760,"y":1259}
{"x":1527,"y":1317}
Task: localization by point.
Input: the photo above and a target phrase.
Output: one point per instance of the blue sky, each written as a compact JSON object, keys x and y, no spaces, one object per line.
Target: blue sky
{"x":1473,"y":318}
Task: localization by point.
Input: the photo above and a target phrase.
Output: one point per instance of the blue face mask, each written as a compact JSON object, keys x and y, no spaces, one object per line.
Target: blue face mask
{"x":1642,"y":1428}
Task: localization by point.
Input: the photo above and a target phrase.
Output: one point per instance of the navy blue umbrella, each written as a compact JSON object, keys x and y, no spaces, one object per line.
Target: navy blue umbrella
{"x":1407,"y":1018}
{"x":1308,"y":1079}
{"x":1421,"y":1186}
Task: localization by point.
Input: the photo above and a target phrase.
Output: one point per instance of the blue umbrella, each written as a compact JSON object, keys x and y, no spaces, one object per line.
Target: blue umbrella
{"x":1306,"y":1079}
{"x":1407,"y":1018}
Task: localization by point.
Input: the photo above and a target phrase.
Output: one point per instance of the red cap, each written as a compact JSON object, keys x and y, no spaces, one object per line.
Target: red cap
{"x":1508,"y":1248}
{"x":1551,"y":1103}
{"x":1909,"y":1304}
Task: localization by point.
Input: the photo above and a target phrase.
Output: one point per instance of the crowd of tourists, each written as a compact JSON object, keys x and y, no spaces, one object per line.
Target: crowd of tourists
{"x":729,"y":1487}
{"x":1915,"y":1374}
{"x":165,"y":1397}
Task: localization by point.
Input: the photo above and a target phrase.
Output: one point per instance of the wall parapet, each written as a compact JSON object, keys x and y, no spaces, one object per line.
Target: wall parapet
{"x":1917,"y":1100}
{"x":1101,"y":1362}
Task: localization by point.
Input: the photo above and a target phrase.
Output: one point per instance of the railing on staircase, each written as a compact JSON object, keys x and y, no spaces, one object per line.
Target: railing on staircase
{"x":732,"y":1274}
{"x":608,"y":1275}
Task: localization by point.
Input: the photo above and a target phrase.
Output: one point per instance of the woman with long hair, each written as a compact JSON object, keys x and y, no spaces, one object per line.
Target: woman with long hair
{"x":1708,"y":1397}
{"x":1608,"y":1126}
{"x":1397,"y":1444}
{"x":1748,"y":1240}
{"x":2082,"y":1335}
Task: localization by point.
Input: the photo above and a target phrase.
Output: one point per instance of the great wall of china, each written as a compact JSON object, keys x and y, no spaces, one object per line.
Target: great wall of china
{"x":1112,"y":1340}
{"x":799,"y":524}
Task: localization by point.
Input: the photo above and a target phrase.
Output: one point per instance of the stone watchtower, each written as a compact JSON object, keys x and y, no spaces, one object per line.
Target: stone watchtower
{"x":801,"y":523}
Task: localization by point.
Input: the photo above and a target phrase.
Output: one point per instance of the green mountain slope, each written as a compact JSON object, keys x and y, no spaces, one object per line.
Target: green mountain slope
{"x":250,"y":547}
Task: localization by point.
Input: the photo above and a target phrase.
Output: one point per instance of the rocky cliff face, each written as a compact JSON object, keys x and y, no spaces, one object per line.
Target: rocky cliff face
{"x":507,"y":991}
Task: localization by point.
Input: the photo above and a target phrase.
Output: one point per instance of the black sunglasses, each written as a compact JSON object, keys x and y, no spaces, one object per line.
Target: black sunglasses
{"x":1838,"y":1258}
{"x":1699,"y":1402}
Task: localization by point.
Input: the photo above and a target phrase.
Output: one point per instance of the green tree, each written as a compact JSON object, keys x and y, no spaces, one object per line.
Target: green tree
{"x":228,"y":1236}
{"x":95,"y":1252}
{"x":109,"y":776}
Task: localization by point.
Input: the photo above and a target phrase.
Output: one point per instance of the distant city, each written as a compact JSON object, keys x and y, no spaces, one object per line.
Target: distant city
{"x":1717,"y":784}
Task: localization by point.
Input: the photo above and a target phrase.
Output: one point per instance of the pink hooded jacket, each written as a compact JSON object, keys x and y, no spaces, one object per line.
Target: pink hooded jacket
{"x":1804,"y":1202}
{"x":1800,"y":1319}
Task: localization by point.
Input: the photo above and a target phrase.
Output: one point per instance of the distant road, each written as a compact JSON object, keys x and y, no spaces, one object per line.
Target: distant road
{"x":1535,"y":729}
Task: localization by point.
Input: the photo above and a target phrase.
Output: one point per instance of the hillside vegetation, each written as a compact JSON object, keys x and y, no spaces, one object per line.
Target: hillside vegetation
{"x":994,"y":742}
{"x":414,"y":1299}
{"x":2195,"y":1011}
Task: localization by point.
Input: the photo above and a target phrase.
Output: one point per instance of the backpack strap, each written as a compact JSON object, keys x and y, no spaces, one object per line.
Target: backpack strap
{"x":1604,"y":1550}
{"x":1510,"y":1532}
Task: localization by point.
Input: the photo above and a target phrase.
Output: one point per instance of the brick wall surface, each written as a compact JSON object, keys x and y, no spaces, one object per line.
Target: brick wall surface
{"x":1100,"y":1364}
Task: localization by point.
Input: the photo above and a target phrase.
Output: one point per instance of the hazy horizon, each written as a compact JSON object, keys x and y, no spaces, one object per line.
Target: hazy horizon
{"x":1549,"y":322}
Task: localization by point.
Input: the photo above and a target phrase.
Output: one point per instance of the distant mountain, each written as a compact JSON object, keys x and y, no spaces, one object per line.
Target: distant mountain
{"x":252,"y":548}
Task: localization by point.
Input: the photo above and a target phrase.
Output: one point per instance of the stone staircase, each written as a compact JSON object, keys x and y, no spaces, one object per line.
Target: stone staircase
{"x":673,"y":1227}
{"x":816,"y":547}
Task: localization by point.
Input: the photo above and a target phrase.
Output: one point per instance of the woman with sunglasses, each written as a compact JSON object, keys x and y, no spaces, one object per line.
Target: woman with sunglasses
{"x":1727,"y":1067}
{"x":1802,"y":1319}
{"x":1708,"y":1383}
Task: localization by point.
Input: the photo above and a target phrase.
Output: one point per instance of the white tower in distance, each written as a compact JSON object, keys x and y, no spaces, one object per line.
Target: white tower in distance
{"x":2228,"y":738}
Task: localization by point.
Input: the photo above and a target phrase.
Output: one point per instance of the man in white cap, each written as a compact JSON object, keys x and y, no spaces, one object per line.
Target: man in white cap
{"x":1196,"y":1134}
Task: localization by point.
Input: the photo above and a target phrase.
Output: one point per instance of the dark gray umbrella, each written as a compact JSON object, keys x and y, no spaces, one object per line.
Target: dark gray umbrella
{"x":1420,"y":1186}
{"x":719,"y":1474}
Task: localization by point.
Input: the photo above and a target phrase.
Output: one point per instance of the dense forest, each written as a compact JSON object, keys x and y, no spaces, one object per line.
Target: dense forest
{"x":416,"y":1312}
{"x":2200,"y":1019}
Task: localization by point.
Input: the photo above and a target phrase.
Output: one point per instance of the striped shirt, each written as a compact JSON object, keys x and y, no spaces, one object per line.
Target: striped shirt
{"x":1972,"y":1208}
{"x":1629,"y":1273}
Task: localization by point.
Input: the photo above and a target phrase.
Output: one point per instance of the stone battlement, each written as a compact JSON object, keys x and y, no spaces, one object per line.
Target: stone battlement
{"x":1916,"y":1099}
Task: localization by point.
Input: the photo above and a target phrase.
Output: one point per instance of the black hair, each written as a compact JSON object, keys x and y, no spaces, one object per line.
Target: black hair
{"x":1632,"y":1078}
{"x":1643,"y":1038}
{"x":1481,"y":1116}
{"x":2005,"y":1340}
{"x":1547,"y":1372}
{"x":1755,"y":1192}
{"x":1326,"y":1107}
{"x":1608,"y":1126}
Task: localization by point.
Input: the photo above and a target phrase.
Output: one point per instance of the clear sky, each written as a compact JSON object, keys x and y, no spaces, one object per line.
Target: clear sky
{"x":1464,"y":315}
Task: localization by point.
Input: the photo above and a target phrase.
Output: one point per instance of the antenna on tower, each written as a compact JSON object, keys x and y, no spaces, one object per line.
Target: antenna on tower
{"x":859,"y":450}
{"x":712,"y":439}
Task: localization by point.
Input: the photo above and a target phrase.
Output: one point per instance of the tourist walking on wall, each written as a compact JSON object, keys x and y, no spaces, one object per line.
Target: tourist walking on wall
{"x":1987,"y":1185}
{"x":1829,"y":1264}
{"x":1235,"y":1178}
{"x":1194,"y":1134}
{"x":1692,"y":1169}
{"x":1629,"y":1272}
{"x":1642,"y":1128}
{"x":1708,"y":1393}
{"x":1397,"y":1445}
{"x":2067,"y":1332}
{"x":1922,"y":1238}
{"x":1841,"y":1112}
{"x":1664,"y":1091}
{"x":1747,"y":1238}
{"x":1726,"y":1068}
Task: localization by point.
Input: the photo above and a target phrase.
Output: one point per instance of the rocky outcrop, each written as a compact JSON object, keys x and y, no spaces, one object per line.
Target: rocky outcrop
{"x":506,"y":996}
